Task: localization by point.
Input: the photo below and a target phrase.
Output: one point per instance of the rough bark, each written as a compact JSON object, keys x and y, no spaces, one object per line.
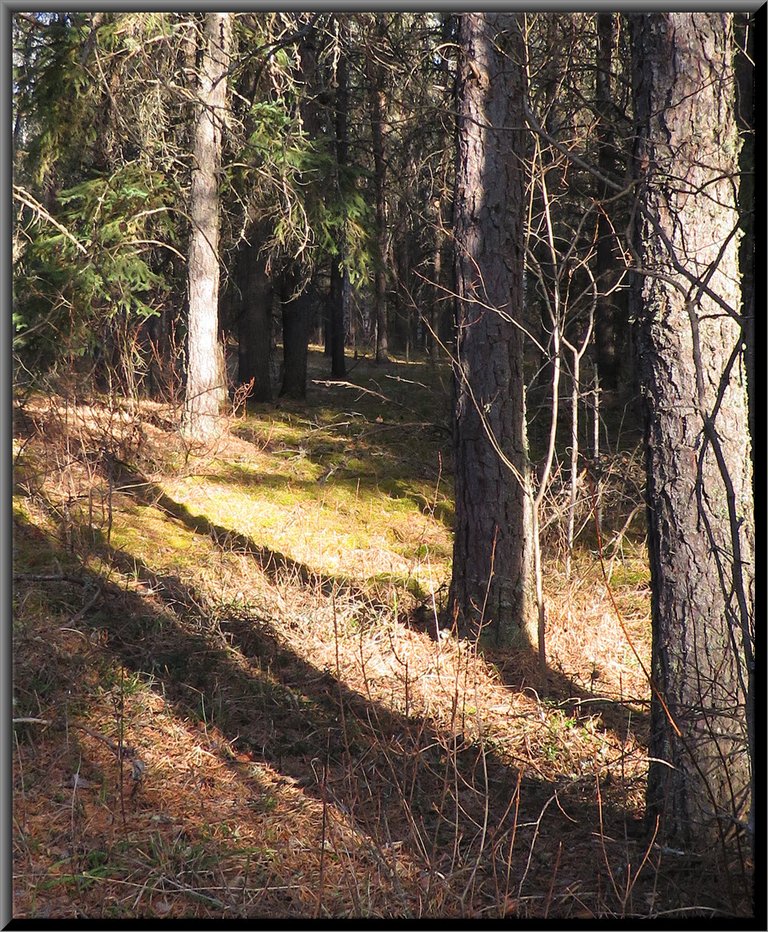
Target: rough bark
{"x":745,"y":25}
{"x":491,"y":582}
{"x":206,"y":389}
{"x":699,"y":483}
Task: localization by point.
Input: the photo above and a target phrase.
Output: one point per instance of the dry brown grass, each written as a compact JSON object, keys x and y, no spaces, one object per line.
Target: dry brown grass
{"x":308,"y":744}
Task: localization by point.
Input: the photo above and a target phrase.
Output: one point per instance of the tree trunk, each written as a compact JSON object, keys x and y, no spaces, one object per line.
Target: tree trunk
{"x":745,"y":25}
{"x":491,"y":582}
{"x":377,"y":104}
{"x":296,"y":318}
{"x":336,"y":317}
{"x":401,"y":262}
{"x":255,"y":320}
{"x":206,"y":376}
{"x":327,"y":320}
{"x":699,"y":482}
{"x":437,"y":296}
{"x":297,"y":310}
{"x":608,"y":325}
{"x":336,"y":295}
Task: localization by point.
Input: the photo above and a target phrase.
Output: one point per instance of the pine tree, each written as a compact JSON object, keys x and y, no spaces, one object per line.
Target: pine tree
{"x":699,"y":483}
{"x":492,"y":578}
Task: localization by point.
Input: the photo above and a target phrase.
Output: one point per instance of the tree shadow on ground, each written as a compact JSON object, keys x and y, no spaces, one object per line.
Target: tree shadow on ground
{"x":352,"y":419}
{"x":490,"y":834}
{"x":402,"y":781}
{"x":622,"y":718}
{"x":615,"y":715}
{"x":352,"y":481}
{"x":274,"y":564}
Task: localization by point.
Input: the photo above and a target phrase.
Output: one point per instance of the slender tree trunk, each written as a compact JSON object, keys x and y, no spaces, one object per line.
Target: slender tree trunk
{"x":608,"y":325}
{"x":492,"y":575}
{"x":699,"y":482}
{"x":336,"y":296}
{"x":574,"y":476}
{"x":436,"y":296}
{"x":336,"y":313}
{"x":206,"y":377}
{"x":400,"y":323}
{"x":297,"y":310}
{"x":433,"y":345}
{"x":377,"y":104}
{"x":328,"y":318}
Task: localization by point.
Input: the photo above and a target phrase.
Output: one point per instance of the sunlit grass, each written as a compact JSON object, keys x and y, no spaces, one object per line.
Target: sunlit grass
{"x":349,"y":525}
{"x":346,"y":485}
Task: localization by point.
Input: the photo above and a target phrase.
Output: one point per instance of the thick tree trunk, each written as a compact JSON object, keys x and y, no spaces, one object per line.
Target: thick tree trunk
{"x":254,"y":352}
{"x":296,"y":318}
{"x":206,"y":376}
{"x":255,"y":320}
{"x":745,"y":25}
{"x":492,"y":576}
{"x":699,"y":483}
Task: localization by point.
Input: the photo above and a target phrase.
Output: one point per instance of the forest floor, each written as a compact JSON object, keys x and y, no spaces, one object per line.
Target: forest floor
{"x":232,"y":698}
